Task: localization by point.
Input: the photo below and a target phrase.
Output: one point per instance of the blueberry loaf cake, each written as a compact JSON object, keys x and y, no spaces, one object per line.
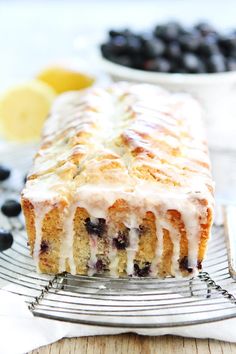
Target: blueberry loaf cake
{"x":121,"y":185}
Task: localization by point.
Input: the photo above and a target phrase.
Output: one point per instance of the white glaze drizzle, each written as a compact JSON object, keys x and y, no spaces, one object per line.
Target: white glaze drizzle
{"x":192,"y":225}
{"x":156,"y":263}
{"x":66,"y":250}
{"x":39,"y":213}
{"x":131,"y":250}
{"x":134,"y":113}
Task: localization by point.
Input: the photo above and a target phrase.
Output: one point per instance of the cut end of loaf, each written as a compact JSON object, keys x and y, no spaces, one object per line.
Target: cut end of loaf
{"x":102,"y":246}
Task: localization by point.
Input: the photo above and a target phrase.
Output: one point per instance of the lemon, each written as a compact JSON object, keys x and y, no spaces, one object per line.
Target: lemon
{"x":23,"y":110}
{"x":64,"y":79}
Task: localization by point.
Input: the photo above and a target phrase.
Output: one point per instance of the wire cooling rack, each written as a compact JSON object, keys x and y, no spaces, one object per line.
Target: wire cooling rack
{"x":129,"y":303}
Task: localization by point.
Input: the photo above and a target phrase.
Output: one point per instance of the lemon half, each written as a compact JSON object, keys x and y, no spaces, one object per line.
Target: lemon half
{"x":64,"y":79}
{"x":23,"y":110}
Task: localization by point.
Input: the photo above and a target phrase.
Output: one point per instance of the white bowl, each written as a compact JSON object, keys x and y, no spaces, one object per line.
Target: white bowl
{"x":216,"y":92}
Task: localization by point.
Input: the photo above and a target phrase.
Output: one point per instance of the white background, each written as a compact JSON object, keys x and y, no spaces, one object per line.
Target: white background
{"x":36,"y":32}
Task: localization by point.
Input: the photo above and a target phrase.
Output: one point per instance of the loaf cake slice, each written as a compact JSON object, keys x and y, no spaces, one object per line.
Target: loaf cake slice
{"x":120,"y":185}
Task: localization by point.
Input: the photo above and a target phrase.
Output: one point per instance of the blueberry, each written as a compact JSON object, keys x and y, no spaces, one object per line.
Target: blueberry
{"x":208,"y":46}
{"x":124,"y":60}
{"x":134,"y":45}
{"x":114,"y":33}
{"x":161,"y":65}
{"x":205,"y":28}
{"x":121,"y":242}
{"x":228,"y":43}
{"x":183,"y":264}
{"x":179,"y":70}
{"x":126,"y":33}
{"x":170,"y":48}
{"x":116,"y":46}
{"x":142,"y":272}
{"x":191,"y":63}
{"x":137,"y":62}
{"x":119,"y":45}
{"x":106,"y":49}
{"x":199,"y":265}
{"x":6,"y":240}
{"x":153,"y":48}
{"x":11,"y":208}
{"x":231,"y":64}
{"x":44,"y":247}
{"x":159,"y":31}
{"x":173,"y":50}
{"x":99,"y":228}
{"x":4,"y":173}
{"x":101,"y":266}
{"x":168,"y":32}
{"x":190,"y":42}
{"x":216,"y":63}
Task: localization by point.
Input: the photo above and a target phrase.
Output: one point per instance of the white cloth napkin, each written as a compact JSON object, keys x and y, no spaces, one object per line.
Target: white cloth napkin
{"x":21,"y":332}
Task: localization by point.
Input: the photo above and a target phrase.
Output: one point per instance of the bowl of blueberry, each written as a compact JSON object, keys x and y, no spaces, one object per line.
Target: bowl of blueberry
{"x":200,"y":60}
{"x":172,"y":49}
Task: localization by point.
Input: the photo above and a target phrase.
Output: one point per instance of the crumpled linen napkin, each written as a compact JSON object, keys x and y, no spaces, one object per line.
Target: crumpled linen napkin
{"x":22,"y":332}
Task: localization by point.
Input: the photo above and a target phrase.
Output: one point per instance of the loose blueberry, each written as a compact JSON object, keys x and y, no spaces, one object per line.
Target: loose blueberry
{"x":11,"y":208}
{"x":99,"y":228}
{"x":121,"y":242}
{"x":142,"y":272}
{"x":6,"y":240}
{"x":4,"y":173}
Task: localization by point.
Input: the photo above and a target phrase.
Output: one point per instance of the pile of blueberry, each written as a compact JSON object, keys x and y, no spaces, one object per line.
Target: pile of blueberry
{"x":10,"y":208}
{"x":173,"y":48}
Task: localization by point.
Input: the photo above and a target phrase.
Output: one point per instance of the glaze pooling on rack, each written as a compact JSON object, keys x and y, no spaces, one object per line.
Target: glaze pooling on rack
{"x":135,"y":143}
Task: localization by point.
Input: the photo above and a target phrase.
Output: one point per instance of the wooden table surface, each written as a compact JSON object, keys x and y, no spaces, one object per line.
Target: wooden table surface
{"x":135,"y":344}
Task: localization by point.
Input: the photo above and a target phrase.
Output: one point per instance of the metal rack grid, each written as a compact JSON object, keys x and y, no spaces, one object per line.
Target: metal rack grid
{"x":130,"y":303}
